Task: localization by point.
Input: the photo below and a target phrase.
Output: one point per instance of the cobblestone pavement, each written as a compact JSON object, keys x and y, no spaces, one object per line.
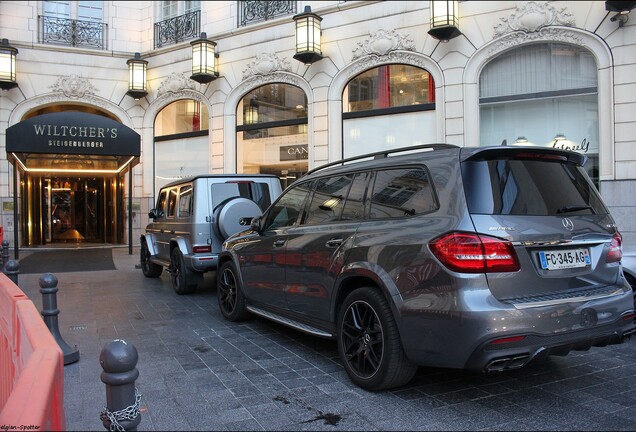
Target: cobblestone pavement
{"x":200,"y":372}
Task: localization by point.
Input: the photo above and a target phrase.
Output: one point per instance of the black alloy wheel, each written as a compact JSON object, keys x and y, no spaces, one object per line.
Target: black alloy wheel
{"x":230,"y":294}
{"x":148,"y":268}
{"x":369,"y":342}
{"x":362,"y":339}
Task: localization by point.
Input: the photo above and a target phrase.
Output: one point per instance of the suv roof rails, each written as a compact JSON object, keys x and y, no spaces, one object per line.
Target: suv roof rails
{"x":383,"y":154}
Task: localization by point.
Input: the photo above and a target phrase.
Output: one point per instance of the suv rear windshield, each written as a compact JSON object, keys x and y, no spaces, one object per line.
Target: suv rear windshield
{"x":539,"y":187}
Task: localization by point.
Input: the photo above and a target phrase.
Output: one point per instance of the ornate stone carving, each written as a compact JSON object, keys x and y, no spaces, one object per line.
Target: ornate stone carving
{"x":175,"y":83}
{"x":404,"y":57}
{"x":169,"y":96}
{"x":545,"y":34}
{"x":265,"y":64}
{"x":260,"y":80}
{"x":382,"y":43}
{"x":60,"y":98}
{"x":532,"y":17}
{"x":73,"y":86}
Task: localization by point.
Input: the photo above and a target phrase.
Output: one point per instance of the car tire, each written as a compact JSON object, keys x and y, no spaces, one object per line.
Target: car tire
{"x":369,"y":342}
{"x":148,"y":268}
{"x":183,"y":280}
{"x":230,"y":293}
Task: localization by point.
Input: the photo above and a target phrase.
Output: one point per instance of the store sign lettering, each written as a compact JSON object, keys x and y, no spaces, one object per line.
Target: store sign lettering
{"x":584,"y":147}
{"x":296,"y":152}
{"x":74,"y":131}
{"x":71,"y":132}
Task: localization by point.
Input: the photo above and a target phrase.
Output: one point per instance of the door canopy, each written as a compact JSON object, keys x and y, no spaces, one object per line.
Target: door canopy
{"x":72,"y":142}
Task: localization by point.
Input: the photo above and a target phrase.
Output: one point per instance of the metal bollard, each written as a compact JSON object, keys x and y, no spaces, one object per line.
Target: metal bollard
{"x":12,"y":270}
{"x":48,"y":288}
{"x":5,"y":253}
{"x":118,"y":359}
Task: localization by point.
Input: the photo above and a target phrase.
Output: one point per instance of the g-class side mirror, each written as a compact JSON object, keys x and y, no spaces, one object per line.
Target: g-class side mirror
{"x":155,"y":214}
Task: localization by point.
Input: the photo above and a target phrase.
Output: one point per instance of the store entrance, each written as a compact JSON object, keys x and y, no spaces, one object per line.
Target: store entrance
{"x":77,"y":210}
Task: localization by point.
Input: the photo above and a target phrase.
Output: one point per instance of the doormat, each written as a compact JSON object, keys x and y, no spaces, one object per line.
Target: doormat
{"x":67,"y":260}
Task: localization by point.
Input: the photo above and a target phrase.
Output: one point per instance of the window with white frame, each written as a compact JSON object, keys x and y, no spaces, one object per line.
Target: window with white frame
{"x":181,"y":144}
{"x":80,"y":10}
{"x":542,"y":94}
{"x":388,"y":107}
{"x":172,"y":9}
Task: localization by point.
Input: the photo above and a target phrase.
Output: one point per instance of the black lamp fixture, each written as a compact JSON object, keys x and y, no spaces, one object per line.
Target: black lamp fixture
{"x":7,"y":65}
{"x":204,"y":60}
{"x":137,"y":77}
{"x":308,"y":33}
{"x":622,"y":9}
{"x":444,"y":21}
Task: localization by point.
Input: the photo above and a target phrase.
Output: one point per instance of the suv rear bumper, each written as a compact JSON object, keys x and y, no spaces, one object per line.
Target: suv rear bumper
{"x":491,"y":357}
{"x":202,"y":262}
{"x":463,"y":339}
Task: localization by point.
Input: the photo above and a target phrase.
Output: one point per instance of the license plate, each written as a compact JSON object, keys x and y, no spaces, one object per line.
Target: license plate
{"x":563,"y":259}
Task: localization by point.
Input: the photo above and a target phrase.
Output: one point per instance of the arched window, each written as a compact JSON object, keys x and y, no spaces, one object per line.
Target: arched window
{"x":542,"y":94}
{"x":387,"y":107}
{"x":271,"y":132}
{"x":181,"y":141}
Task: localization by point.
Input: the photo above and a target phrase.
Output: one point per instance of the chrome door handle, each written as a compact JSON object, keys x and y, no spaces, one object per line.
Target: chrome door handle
{"x":279,"y":243}
{"x":334,"y":242}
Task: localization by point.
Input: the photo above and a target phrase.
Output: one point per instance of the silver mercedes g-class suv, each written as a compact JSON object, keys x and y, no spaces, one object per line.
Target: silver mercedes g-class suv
{"x":192,"y":219}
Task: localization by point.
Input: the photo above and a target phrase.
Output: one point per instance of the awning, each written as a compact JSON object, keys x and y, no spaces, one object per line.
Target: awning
{"x":72,"y":142}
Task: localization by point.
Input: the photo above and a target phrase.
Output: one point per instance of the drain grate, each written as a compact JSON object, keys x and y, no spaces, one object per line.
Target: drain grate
{"x":78,"y":327}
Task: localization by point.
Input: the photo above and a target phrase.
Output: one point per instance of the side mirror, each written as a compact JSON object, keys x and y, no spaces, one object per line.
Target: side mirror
{"x":155,"y":214}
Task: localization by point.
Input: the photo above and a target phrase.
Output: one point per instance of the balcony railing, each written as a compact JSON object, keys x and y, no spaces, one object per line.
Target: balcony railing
{"x":178,"y":29}
{"x":253,"y":11}
{"x":76,"y":33}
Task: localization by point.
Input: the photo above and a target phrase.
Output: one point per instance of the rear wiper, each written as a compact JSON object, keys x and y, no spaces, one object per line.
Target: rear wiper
{"x":572,"y":208}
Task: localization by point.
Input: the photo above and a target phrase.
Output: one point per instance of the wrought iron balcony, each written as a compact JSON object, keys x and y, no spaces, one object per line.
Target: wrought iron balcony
{"x":178,"y":29}
{"x":76,"y":33}
{"x":253,"y":11}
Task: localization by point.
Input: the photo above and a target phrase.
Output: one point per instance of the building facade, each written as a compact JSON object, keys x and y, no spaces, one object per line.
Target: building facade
{"x":558,"y":73}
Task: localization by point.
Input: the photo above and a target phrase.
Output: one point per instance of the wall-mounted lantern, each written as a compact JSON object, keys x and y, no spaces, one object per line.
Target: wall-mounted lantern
{"x":308,"y":33}
{"x":204,"y":60}
{"x":7,"y":65}
{"x":137,"y":77}
{"x":444,"y":21}
{"x":622,"y":9}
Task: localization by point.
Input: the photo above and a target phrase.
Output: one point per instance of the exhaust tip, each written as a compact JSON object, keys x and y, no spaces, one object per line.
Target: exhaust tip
{"x":507,"y":363}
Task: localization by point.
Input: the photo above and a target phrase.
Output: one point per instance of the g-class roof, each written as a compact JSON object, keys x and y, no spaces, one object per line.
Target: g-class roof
{"x":221,"y":177}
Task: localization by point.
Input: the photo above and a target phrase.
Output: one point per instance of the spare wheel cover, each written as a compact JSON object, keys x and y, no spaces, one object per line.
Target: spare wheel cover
{"x":236,"y":215}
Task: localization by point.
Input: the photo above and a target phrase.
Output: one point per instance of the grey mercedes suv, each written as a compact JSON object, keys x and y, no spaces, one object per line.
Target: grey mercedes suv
{"x":477,"y":258}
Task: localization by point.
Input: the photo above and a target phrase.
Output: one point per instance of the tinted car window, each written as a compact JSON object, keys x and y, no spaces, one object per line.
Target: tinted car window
{"x":185,"y":202}
{"x":354,"y":204}
{"x":328,"y":199}
{"x":401,"y":192}
{"x":257,"y":192}
{"x":287,"y":209}
{"x":529,"y":187}
{"x":161,"y":202}
{"x":172,"y":202}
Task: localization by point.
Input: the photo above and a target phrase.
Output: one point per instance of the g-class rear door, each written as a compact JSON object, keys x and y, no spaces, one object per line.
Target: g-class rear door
{"x":543,"y":202}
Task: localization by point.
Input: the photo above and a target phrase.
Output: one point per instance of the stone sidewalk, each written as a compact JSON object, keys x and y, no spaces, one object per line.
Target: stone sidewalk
{"x":200,"y":372}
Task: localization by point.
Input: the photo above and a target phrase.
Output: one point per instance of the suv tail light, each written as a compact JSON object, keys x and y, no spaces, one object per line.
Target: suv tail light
{"x":202,"y":249}
{"x":616,"y":248}
{"x":474,"y":253}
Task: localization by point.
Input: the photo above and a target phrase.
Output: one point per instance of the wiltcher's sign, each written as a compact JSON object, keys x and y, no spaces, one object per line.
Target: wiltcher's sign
{"x":73,"y":133}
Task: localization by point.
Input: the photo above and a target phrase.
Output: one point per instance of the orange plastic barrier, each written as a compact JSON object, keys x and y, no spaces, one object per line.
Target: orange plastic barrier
{"x":31,"y":366}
